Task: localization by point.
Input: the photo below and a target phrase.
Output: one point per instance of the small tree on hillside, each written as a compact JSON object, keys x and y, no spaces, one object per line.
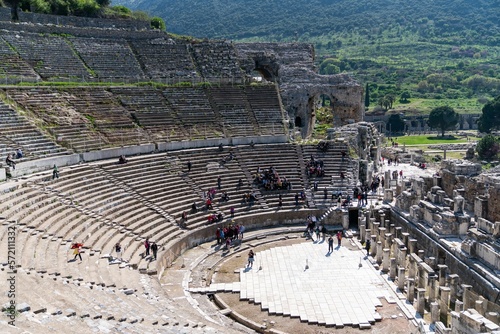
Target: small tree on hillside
{"x":488,"y":147}
{"x":158,"y":23}
{"x":404,"y":97}
{"x":443,"y":118}
{"x":490,"y":119}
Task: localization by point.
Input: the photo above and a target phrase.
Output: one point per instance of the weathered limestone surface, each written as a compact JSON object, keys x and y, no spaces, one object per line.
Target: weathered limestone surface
{"x":291,"y":66}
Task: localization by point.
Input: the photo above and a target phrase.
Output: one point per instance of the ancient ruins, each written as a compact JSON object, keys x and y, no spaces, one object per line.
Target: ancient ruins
{"x":225,"y":110}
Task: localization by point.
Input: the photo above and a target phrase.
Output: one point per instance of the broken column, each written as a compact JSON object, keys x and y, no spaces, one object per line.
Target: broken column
{"x":421,"y":301}
{"x":385,"y":260}
{"x":443,"y":303}
{"x":410,"y":289}
{"x":434,"y":312}
{"x":401,"y":278}
{"x":380,"y":253}
{"x":393,"y":269}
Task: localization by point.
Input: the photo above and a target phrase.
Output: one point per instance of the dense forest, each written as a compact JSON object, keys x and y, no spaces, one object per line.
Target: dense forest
{"x":430,"y":49}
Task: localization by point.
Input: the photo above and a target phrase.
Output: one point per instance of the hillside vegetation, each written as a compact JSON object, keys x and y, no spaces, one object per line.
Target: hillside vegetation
{"x":434,"y":49}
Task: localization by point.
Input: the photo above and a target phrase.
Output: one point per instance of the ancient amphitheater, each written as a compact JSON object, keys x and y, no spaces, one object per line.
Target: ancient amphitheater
{"x":78,"y":94}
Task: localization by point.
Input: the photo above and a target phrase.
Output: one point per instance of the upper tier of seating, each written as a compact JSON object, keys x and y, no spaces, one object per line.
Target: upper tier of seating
{"x":92,"y":118}
{"x":59,"y":57}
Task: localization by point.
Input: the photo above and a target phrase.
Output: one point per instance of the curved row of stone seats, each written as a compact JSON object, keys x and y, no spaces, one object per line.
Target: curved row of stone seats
{"x":334,"y":166}
{"x":216,"y":60}
{"x":158,"y":180}
{"x":194,"y":111}
{"x":266,"y":106}
{"x":52,"y":56}
{"x":11,"y":65}
{"x":108,"y":58}
{"x":140,"y":99}
{"x":231,"y":103}
{"x":164,"y":58}
{"x":93,"y":118}
{"x":78,"y":137}
{"x":284,"y":158}
{"x":140,"y":308}
{"x":207,"y":166}
{"x":111,"y":203}
{"x":17,"y":132}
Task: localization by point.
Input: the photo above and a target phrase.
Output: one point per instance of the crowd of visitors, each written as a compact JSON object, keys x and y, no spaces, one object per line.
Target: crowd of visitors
{"x":271,"y":180}
{"x":228,"y":235}
{"x":315,"y":167}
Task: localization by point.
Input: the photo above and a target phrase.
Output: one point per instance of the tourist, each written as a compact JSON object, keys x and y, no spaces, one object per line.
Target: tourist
{"x":401,"y":173}
{"x":280,"y":201}
{"x":77,"y":250}
{"x":231,"y":211}
{"x":19,"y":153}
{"x":194,"y":209}
{"x":147,"y":246}
{"x":367,"y":247}
{"x":55,"y":172}
{"x":189,"y":165}
{"x":330,"y":244}
{"x":343,"y":155}
{"x":241,"y":230}
{"x":122,"y":159}
{"x":219,"y":182}
{"x":228,"y":243}
{"x":217,"y":235}
{"x":339,"y":238}
{"x":318,"y":232}
{"x":118,"y":249}
{"x":296,"y":199}
{"x":251,"y":258}
{"x":154,"y":249}
{"x":10,"y":162}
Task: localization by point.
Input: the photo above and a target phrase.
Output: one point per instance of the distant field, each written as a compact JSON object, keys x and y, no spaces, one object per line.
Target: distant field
{"x":428,"y":140}
{"x":424,"y":106}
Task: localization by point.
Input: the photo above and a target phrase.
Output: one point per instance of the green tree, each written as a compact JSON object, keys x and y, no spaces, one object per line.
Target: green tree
{"x":490,"y":119}
{"x":443,"y":118}
{"x":488,"y":147}
{"x":395,"y":123}
{"x":404,"y":98}
{"x":390,"y":100}
{"x":367,"y":96}
{"x":158,"y":23}
{"x":14,"y":9}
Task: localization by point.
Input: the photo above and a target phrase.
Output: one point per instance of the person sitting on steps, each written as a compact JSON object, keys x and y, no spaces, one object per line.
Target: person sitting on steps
{"x":10,"y":162}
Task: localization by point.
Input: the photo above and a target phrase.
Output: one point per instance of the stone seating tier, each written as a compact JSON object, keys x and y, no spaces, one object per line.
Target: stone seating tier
{"x":52,"y":56}
{"x":109,"y":59}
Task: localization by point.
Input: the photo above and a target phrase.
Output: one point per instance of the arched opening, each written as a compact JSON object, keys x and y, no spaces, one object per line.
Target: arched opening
{"x":267,"y":69}
{"x":319,"y":111}
{"x":298,"y":122}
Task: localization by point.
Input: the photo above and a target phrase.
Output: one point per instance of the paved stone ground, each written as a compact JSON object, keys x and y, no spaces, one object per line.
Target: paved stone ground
{"x":334,"y":295}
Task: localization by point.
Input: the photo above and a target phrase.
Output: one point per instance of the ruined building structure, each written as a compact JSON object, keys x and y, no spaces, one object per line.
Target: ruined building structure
{"x":168,"y":102}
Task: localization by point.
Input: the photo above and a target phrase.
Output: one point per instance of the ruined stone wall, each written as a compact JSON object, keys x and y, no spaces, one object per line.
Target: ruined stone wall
{"x":456,"y":262}
{"x":494,"y":204}
{"x":76,"y":21}
{"x":83,"y":32}
{"x":292,"y":67}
